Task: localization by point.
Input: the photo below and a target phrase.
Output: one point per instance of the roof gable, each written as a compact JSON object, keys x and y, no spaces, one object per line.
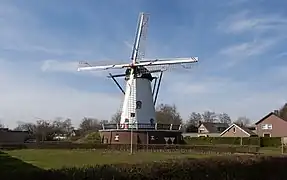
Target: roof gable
{"x":267,"y":116}
{"x":243,"y":129}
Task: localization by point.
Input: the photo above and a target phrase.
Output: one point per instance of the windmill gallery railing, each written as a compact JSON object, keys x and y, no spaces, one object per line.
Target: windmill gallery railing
{"x":136,"y":126}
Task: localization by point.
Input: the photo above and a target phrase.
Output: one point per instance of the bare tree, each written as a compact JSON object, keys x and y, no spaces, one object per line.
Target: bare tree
{"x":209,"y":116}
{"x":116,"y":118}
{"x":242,"y":121}
{"x":29,"y":127}
{"x":104,"y":121}
{"x":44,"y":130}
{"x":168,"y":114}
{"x":194,"y":119}
{"x":283,"y":112}
{"x":61,"y":126}
{"x":90,"y":124}
{"x":224,"y":118}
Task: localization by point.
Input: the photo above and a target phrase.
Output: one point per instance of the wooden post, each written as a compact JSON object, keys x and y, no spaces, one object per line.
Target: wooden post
{"x":147,"y":141}
{"x":241,"y":143}
{"x":111,"y":136}
{"x":282,"y":148}
{"x":282,"y":145}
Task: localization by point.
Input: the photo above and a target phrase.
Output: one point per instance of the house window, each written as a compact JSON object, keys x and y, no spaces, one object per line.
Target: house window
{"x":203,"y":135}
{"x":234,"y":130}
{"x":201,"y":130}
{"x":266,"y":126}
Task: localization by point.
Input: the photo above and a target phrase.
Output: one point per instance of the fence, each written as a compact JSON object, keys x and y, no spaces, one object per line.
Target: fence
{"x":126,"y":147}
{"x":250,"y":141}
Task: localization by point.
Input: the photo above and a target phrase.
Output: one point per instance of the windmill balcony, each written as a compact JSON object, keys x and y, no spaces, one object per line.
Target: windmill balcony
{"x":146,"y":127}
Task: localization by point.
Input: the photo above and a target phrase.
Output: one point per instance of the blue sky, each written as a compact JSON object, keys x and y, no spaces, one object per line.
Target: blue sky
{"x":241,"y":47}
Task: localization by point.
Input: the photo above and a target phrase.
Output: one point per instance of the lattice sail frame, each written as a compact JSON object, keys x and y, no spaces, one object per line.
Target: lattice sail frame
{"x":149,"y":65}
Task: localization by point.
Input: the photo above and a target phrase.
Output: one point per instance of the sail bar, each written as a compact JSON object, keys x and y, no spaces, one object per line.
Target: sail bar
{"x":138,"y":38}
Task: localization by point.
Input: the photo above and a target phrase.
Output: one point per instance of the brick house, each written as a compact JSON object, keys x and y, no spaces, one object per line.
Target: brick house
{"x":208,"y":129}
{"x":235,"y":130}
{"x":12,"y":137}
{"x":271,"y":125}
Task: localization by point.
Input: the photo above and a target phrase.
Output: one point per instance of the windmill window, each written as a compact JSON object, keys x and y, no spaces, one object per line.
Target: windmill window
{"x":152,"y":121}
{"x":138,"y":105}
{"x":116,"y":137}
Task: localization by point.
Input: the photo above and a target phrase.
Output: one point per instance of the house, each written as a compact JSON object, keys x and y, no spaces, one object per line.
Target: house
{"x":75,"y":132}
{"x":271,"y":125}
{"x":12,"y":137}
{"x":235,"y":130}
{"x":209,"y":129}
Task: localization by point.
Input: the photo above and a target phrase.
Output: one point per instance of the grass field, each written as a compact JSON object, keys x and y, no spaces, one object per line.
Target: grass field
{"x":46,"y":159}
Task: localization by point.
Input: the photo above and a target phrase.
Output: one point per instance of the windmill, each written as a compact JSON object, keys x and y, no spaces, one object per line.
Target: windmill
{"x":138,"y":108}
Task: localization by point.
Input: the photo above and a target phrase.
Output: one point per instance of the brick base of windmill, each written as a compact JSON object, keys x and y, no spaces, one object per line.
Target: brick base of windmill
{"x":143,"y":134}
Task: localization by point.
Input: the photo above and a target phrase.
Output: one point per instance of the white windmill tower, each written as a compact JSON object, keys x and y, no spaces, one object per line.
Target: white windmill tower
{"x":138,"y":107}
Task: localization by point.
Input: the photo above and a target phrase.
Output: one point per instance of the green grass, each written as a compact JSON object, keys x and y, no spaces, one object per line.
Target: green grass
{"x":46,"y":159}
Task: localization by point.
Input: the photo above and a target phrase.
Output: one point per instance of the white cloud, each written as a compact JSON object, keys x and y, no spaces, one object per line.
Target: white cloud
{"x":280,"y":55}
{"x":245,"y":21}
{"x":23,"y":31}
{"x":237,"y":98}
{"x":50,"y":66}
{"x":245,"y":51}
{"x":24,"y":97}
{"x":236,"y":2}
{"x":252,"y":48}
{"x":60,"y":66}
{"x":202,"y":86}
{"x":265,"y":30}
{"x":278,"y":72}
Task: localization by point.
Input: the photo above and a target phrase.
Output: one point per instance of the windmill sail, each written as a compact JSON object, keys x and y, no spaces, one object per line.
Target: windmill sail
{"x":139,"y":44}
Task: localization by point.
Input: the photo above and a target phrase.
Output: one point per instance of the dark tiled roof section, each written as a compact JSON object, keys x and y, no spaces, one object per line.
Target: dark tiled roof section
{"x":215,"y":127}
{"x":246,"y":129}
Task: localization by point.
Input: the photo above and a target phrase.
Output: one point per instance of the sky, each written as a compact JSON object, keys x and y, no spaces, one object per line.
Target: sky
{"x":241,"y":46}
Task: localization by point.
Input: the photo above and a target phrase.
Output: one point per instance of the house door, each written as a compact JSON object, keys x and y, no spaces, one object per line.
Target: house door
{"x":266,"y":135}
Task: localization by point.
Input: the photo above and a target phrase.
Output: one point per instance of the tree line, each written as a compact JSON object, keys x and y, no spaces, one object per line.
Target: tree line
{"x":44,"y":130}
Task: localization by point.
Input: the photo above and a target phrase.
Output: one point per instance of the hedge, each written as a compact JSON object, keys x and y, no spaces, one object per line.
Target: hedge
{"x":257,"y":141}
{"x":216,"y":168}
{"x":270,"y":142}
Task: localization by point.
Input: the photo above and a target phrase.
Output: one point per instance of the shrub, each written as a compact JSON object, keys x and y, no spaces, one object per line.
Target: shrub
{"x":12,"y":146}
{"x":217,"y":168}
